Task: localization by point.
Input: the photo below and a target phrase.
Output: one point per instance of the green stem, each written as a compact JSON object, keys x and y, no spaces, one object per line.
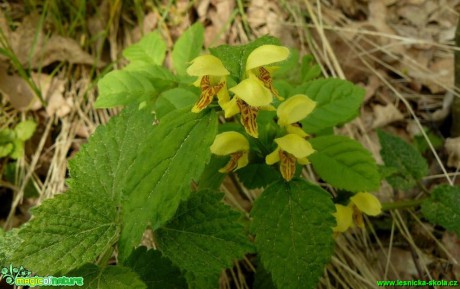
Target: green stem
{"x":402,"y":204}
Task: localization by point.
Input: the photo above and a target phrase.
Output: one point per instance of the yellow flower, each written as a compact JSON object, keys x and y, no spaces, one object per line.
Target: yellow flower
{"x":291,"y":148}
{"x":250,"y":96}
{"x":293,"y":110}
{"x":262,"y":56}
{"x":353,"y":213}
{"x":233,"y":144}
{"x":211,"y":79}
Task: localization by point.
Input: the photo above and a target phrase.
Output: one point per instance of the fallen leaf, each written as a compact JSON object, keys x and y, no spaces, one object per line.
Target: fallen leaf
{"x":384,"y":115}
{"x":452,"y":146}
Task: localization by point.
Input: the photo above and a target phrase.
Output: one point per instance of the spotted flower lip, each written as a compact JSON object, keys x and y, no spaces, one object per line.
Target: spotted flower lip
{"x":211,"y":79}
{"x":347,"y":216}
{"x":293,"y":110}
{"x":259,"y":58}
{"x":234,"y":144}
{"x":291,"y":148}
{"x":250,"y":96}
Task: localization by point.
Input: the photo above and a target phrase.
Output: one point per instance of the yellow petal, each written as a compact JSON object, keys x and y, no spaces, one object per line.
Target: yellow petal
{"x":248,"y":118}
{"x":367,"y":203}
{"x":243,"y":161}
{"x":294,"y":109}
{"x":287,"y":165}
{"x":222,"y":95}
{"x":229,"y":142}
{"x":295,"y":145}
{"x":230,"y":108}
{"x":237,"y":161}
{"x":266,"y":54}
{"x":344,"y":218}
{"x":252,"y":92}
{"x":273,"y":157}
{"x":303,"y":161}
{"x":296,"y":130}
{"x":207,"y":65}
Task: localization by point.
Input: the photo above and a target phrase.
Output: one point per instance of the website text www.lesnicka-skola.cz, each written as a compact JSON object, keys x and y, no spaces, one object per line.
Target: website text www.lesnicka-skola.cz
{"x":450,"y":283}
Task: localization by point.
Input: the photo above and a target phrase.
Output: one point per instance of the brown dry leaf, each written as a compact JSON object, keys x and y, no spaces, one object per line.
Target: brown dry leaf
{"x":385,"y":115}
{"x":266,"y":17}
{"x":34,"y":49}
{"x":403,"y":263}
{"x":16,"y":89}
{"x":452,"y":243}
{"x":219,"y":12}
{"x":452,"y":147}
{"x":148,"y":25}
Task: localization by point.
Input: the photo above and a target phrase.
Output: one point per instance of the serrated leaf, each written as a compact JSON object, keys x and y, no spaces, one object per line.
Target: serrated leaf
{"x":344,"y":163}
{"x":151,"y":49}
{"x":25,"y":129}
{"x":76,"y":227}
{"x":122,"y":87}
{"x":67,"y":231}
{"x":337,"y":101}
{"x":202,"y":281}
{"x":257,"y":175}
{"x":9,"y":242}
{"x":155,"y":270}
{"x":309,"y":69}
{"x":160,"y":178}
{"x":110,"y":277}
{"x":293,"y":227}
{"x":172,"y":99}
{"x":396,"y":153}
{"x":211,"y":178}
{"x":208,"y":231}
{"x":234,"y":57}
{"x":187,"y":47}
{"x":263,"y":279}
{"x":443,"y":208}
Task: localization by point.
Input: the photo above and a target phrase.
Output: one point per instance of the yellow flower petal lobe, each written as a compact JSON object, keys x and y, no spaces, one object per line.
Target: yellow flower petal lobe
{"x":229,"y":142}
{"x":248,"y":117}
{"x":344,"y":218}
{"x":287,"y":165}
{"x":266,"y":54}
{"x":367,"y":203}
{"x":294,"y":109}
{"x":295,"y":145}
{"x":273,"y":157}
{"x":207,"y":65}
{"x":252,"y":92}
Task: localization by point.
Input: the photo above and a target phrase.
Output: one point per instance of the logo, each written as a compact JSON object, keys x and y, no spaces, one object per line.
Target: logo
{"x":22,"y":277}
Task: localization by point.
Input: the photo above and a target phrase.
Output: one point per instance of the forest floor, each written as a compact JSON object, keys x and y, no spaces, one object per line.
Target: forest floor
{"x":402,"y":52}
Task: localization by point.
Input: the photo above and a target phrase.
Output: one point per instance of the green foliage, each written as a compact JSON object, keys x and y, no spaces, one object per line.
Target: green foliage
{"x":12,"y":140}
{"x":263,"y":279}
{"x":9,"y":242}
{"x":234,"y":57}
{"x":210,"y":233}
{"x":155,"y":271}
{"x":309,"y":69}
{"x":187,"y":47}
{"x":408,"y":162}
{"x":173,"y":99}
{"x":293,"y":226}
{"x":421,"y":144}
{"x":256,"y":175}
{"x":443,"y":208}
{"x":109,"y":277}
{"x":345,"y":164}
{"x":160,"y":179}
{"x":211,"y":177}
{"x":151,"y":49}
{"x":337,"y":102}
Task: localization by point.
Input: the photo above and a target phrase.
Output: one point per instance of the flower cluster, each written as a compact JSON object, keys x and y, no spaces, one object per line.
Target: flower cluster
{"x":255,"y":92}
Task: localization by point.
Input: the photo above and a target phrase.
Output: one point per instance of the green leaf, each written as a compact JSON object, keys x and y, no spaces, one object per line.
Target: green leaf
{"x":66,"y":232}
{"x":173,"y":99}
{"x":396,"y":153}
{"x":18,"y":149}
{"x":155,"y":270}
{"x":202,"y":281}
{"x":263,"y":279}
{"x":110,"y":277}
{"x":161,"y":78}
{"x":443,"y":208}
{"x":9,"y":242}
{"x":122,"y":87}
{"x":337,"y":101}
{"x":78,"y":226}
{"x":187,"y":47}
{"x":344,"y":163}
{"x":309,"y":69}
{"x":293,"y":226}
{"x":234,"y":57}
{"x":151,"y":49}
{"x":208,"y":231}
{"x":6,"y":149}
{"x":211,"y":178}
{"x":257,"y":175}
{"x":170,"y":158}
{"x":25,"y":129}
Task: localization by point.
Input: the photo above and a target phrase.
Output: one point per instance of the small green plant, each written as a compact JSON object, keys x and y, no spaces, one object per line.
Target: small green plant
{"x":12,"y":140}
{"x":159,"y":164}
